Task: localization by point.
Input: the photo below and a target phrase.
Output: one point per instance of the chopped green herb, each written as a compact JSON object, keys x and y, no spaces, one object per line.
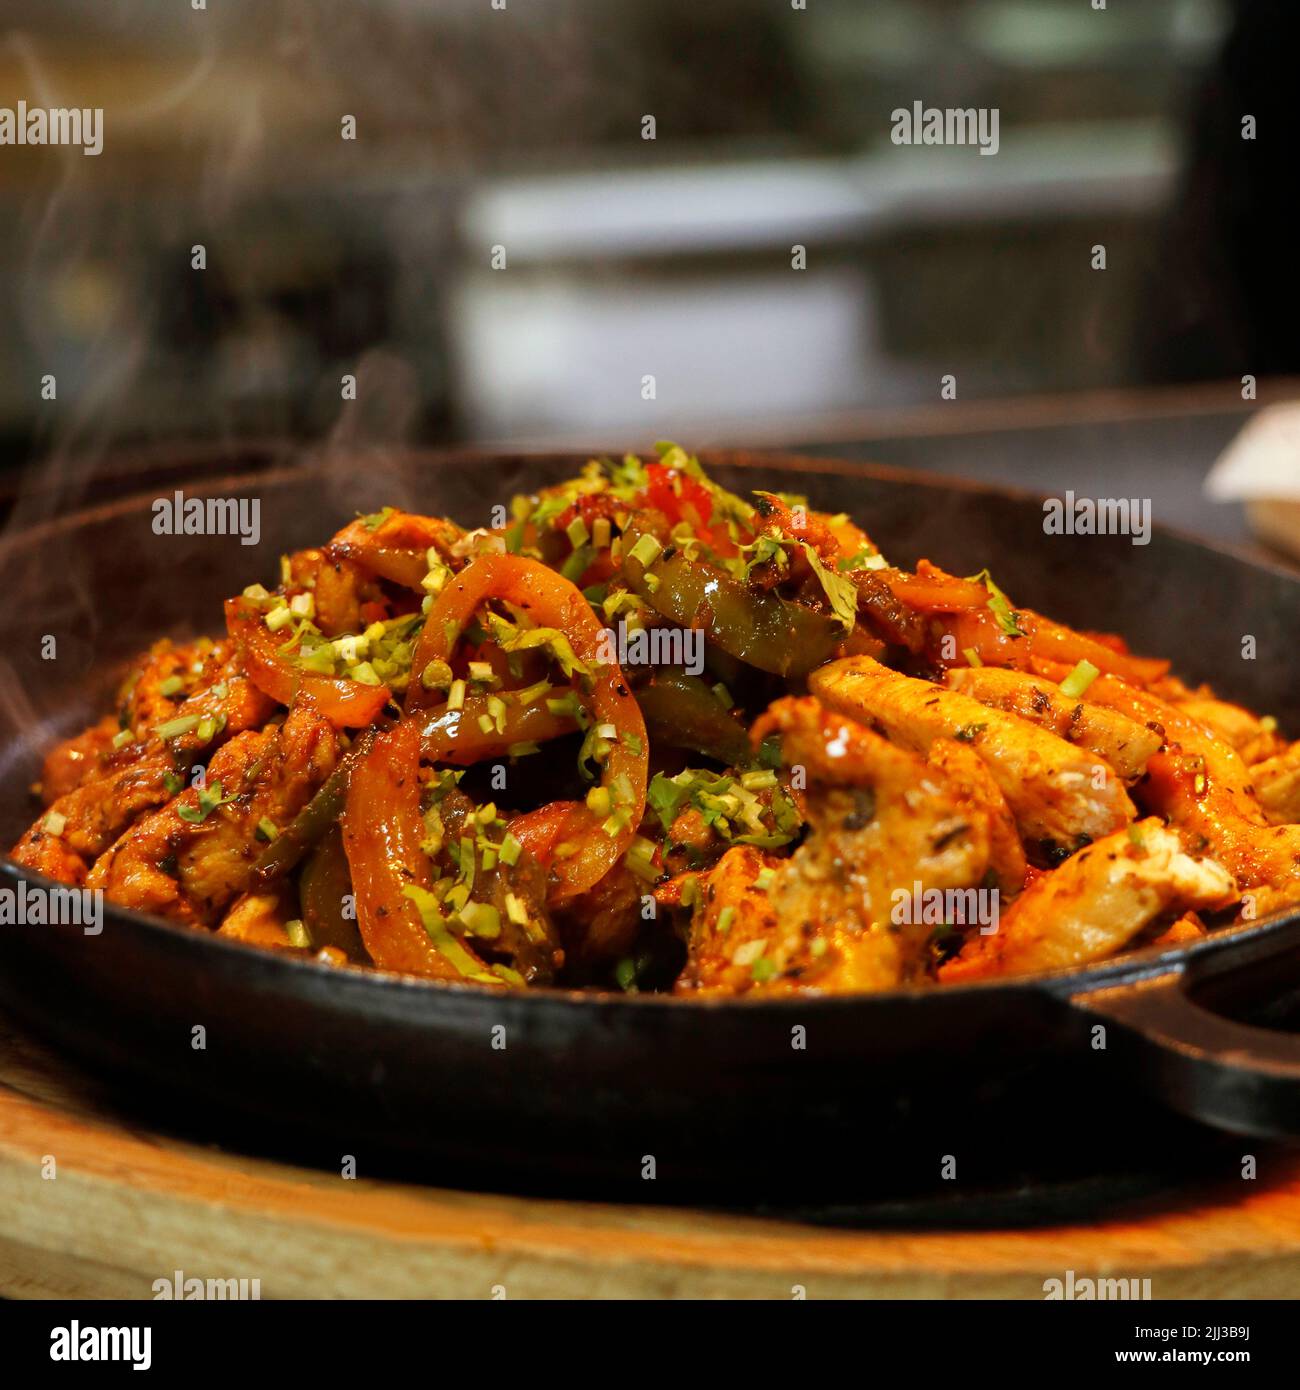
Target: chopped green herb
{"x":436,"y":676}
{"x":1000,"y":605}
{"x":209,"y":799}
{"x":1083,"y":675}
{"x":296,"y":930}
{"x":209,"y":727}
{"x":840,"y":592}
{"x":481,"y":919}
{"x":174,"y":728}
{"x":640,"y":860}
{"x":769,"y":751}
{"x":376,"y":519}
{"x":646,"y":550}
{"x":279,"y":617}
{"x":447,"y":945}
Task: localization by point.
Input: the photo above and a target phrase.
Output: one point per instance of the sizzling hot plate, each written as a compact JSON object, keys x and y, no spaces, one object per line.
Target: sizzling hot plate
{"x":791,"y":1099}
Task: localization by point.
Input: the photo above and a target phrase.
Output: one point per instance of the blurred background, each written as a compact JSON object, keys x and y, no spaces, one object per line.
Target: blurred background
{"x":500,"y":256}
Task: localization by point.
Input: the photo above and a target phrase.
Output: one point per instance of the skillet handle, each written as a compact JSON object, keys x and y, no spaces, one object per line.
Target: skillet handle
{"x":1229,"y":1074}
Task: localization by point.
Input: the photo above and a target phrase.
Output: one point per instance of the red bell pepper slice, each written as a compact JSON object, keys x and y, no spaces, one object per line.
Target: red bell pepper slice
{"x":552,"y":601}
{"x":382,"y":831}
{"x":346,"y":704}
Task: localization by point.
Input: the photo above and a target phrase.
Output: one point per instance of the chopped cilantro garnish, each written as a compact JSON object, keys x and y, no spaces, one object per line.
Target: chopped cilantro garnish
{"x":209,"y":799}
{"x":840,"y":592}
{"x":1000,"y":605}
{"x":769,"y":751}
{"x":375,"y":520}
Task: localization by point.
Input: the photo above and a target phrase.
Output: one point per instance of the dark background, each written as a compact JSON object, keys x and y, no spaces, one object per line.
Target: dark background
{"x":521,"y":128}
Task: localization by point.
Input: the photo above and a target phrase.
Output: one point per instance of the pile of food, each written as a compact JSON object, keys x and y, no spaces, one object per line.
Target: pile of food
{"x":649,"y":735}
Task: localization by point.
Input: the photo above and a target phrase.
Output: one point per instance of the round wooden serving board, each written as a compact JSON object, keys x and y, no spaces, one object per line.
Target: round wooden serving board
{"x":127,"y":1207}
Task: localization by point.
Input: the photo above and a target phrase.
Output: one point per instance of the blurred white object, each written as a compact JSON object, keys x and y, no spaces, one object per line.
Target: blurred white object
{"x":1263,"y":460}
{"x":685,"y":273}
{"x":1261,"y":467}
{"x":559,"y":354}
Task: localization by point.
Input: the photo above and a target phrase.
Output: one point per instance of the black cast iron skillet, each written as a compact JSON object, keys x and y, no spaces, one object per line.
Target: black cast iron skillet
{"x":792,"y":1098}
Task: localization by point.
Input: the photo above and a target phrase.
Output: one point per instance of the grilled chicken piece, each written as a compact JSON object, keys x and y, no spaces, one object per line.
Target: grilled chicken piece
{"x":198,"y":678}
{"x":190,"y":863}
{"x":142,"y":703}
{"x":94,"y":815}
{"x":1251,"y":736}
{"x":69,"y":763}
{"x":1119,"y":741}
{"x":260,"y":918}
{"x":886,"y":826}
{"x":1207,"y":793}
{"x":1052,"y":787}
{"x":967,"y":772}
{"x":397,"y":547}
{"x":1094,"y":904}
{"x":1277,"y":786}
{"x":1188,"y":927}
{"x":339,"y":586}
{"x":122,"y":784}
{"x":1177,"y":727}
{"x":344,"y":577}
{"x":50,"y":854}
{"x":214,"y":687}
{"x":1215,"y":815}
